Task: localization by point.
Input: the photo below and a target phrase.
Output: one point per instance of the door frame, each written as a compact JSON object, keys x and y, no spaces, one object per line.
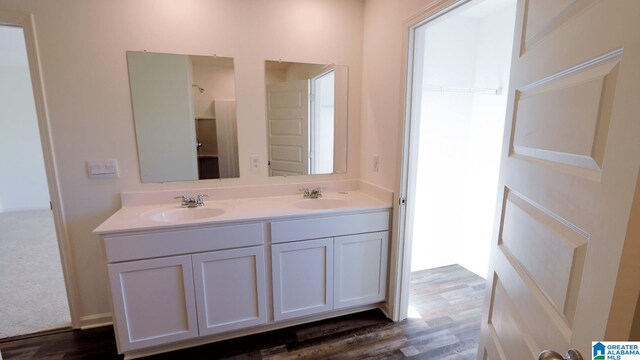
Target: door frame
{"x":313,"y":115}
{"x":27,"y":23}
{"x":400,"y":264}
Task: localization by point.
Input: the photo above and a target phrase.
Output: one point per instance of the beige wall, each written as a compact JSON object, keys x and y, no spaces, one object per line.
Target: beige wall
{"x":382,"y":77}
{"x":82,"y":48}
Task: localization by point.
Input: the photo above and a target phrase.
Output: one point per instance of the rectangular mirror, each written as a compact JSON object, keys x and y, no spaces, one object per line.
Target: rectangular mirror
{"x":184,"y":112}
{"x":306,"y":111}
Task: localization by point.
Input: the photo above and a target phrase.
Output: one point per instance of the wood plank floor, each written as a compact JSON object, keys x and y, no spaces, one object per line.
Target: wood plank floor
{"x":444,"y":324}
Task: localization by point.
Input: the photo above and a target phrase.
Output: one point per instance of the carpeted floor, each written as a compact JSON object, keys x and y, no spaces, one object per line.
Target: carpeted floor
{"x":32,"y":293}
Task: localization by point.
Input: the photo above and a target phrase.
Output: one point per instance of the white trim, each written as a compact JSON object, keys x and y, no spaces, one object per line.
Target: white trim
{"x":135,"y":354}
{"x":25,"y":208}
{"x":27,"y":23}
{"x":400,"y":256}
{"x":94,"y":321}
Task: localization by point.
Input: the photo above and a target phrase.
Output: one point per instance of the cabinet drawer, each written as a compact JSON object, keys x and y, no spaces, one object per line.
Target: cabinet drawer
{"x":315,"y":228}
{"x":166,"y":243}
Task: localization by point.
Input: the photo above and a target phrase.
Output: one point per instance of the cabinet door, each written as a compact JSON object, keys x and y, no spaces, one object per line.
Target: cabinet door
{"x":230,"y":289}
{"x":302,"y":278}
{"x":153,"y":301}
{"x":360,"y":272}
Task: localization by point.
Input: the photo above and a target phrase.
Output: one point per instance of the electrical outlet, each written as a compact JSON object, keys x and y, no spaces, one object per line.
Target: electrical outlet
{"x":255,"y":163}
{"x":376,"y":163}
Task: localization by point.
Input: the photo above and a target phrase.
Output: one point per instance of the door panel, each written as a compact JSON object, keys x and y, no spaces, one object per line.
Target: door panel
{"x":360,"y":269}
{"x":546,"y":16}
{"x":302,"y":278}
{"x":288,"y":127}
{"x":570,"y":159}
{"x":154,"y":300}
{"x":564,"y":118}
{"x":230,"y":288}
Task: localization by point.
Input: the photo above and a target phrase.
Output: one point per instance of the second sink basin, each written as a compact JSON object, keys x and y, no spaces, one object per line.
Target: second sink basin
{"x":320,"y":204}
{"x":184,"y":214}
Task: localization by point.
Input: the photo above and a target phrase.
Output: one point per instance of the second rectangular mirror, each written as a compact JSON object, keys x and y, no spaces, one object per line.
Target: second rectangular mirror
{"x":306,"y":118}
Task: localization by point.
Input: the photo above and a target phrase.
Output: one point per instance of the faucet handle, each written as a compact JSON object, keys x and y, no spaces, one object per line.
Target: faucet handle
{"x":184,"y":201}
{"x":200,"y":199}
{"x":305,"y":192}
{"x":319,"y":189}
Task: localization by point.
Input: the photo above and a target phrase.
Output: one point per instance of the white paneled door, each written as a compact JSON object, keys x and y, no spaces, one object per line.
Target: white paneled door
{"x":288,"y":127}
{"x":569,"y":169}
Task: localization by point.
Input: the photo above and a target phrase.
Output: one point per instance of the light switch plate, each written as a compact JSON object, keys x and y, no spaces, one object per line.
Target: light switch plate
{"x":255,"y":163}
{"x":102,"y":169}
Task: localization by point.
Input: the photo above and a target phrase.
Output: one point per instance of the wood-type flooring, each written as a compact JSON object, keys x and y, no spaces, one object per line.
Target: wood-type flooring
{"x":443,"y":323}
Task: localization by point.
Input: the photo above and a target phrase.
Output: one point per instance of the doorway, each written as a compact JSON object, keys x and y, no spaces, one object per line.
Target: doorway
{"x":32,"y":284}
{"x":460,"y":77}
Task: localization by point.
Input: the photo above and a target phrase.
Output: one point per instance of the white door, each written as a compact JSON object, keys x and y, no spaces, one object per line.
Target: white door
{"x":302,"y":278}
{"x":230,"y":289}
{"x":153,"y":301}
{"x":569,"y":169}
{"x":164,"y":116}
{"x":360,"y":269}
{"x":288,"y":127}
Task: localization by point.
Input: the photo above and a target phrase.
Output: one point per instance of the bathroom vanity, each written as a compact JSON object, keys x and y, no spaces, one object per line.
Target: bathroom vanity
{"x":181,"y":277}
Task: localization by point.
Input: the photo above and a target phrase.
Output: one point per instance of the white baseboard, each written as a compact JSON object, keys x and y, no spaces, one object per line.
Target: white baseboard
{"x":26,"y":208}
{"x":244,"y":332}
{"x":94,"y":321}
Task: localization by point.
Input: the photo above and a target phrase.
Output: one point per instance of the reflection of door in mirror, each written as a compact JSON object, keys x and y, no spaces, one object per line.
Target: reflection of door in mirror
{"x":288,"y":121}
{"x":300,"y":118}
{"x":185,"y":118}
{"x":163,"y":113}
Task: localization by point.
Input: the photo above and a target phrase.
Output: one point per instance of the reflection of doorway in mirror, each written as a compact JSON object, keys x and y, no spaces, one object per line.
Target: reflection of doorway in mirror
{"x":321,"y":123}
{"x":213,"y":80}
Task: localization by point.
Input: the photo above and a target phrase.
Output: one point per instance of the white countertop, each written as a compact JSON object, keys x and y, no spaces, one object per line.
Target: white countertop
{"x":135,"y":218}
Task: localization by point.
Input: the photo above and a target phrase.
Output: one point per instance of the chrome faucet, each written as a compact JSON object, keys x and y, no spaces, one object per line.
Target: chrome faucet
{"x":190,"y":202}
{"x":306,"y":193}
{"x":200,"y":199}
{"x":311,"y":194}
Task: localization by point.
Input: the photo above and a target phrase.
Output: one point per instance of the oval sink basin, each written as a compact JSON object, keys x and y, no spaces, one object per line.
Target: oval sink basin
{"x":320,"y":204}
{"x":184,"y":214}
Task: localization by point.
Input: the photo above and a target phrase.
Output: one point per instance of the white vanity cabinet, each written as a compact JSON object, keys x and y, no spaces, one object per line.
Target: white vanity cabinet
{"x":186,"y":284}
{"x":177,"y":284}
{"x":153,"y":301}
{"x":326,"y":263}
